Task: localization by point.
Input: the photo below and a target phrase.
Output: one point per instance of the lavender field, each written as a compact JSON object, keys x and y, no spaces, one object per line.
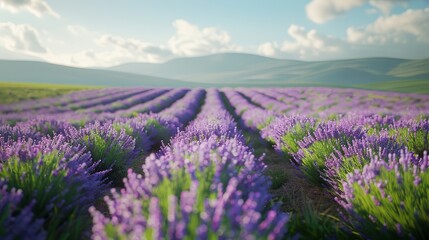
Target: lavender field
{"x":163,"y":163}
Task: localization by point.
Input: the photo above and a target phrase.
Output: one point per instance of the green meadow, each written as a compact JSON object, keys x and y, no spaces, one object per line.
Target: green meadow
{"x":15,"y":92}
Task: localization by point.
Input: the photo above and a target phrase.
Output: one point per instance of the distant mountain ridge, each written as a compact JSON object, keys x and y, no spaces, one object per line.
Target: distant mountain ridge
{"x":226,"y":70}
{"x":41,"y":72}
{"x":237,"y":68}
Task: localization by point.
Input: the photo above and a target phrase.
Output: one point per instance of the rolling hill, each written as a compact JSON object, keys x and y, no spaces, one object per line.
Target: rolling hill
{"x":243,"y":69}
{"x":41,"y":72}
{"x":230,"y":70}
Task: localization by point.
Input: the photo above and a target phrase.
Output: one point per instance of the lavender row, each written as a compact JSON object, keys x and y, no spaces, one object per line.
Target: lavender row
{"x":353,"y":157}
{"x":251,"y":116}
{"x":107,"y":99}
{"x":112,"y":147}
{"x":81,"y":117}
{"x":185,"y":109}
{"x":205,"y":184}
{"x":155,"y":105}
{"x":127,"y":102}
{"x":265,"y":101}
{"x":327,"y":101}
{"x":329,"y":152}
{"x":58,"y":178}
{"x":153,"y":129}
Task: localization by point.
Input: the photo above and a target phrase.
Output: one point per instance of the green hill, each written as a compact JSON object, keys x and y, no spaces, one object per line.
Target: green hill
{"x":229,"y":69}
{"x":237,"y":68}
{"x":40,"y":72}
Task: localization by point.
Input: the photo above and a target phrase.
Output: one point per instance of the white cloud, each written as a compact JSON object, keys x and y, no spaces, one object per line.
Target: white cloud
{"x":385,"y":6}
{"x":190,"y":40}
{"x":142,"y":51}
{"x":107,"y":49}
{"x":310,"y":43}
{"x":410,"y":26}
{"x":20,"y":38}
{"x":269,"y":49}
{"x":78,"y":30}
{"x":321,"y":11}
{"x":36,"y":7}
{"x":306,"y":45}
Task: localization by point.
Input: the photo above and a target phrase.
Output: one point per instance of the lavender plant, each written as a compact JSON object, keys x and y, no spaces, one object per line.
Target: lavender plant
{"x":413,"y":134}
{"x":114,"y":150}
{"x":316,"y":148}
{"x":388,"y":198}
{"x":58,"y":181}
{"x":355,"y":155}
{"x":286,"y":133}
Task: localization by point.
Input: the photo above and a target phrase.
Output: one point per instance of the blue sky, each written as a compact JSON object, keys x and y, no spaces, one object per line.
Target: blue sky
{"x":105,"y":33}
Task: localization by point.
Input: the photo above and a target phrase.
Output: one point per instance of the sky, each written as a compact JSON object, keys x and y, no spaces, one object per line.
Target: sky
{"x":100,"y":33}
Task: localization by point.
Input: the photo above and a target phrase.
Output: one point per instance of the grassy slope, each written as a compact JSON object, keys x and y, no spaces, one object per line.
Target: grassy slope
{"x":15,"y":92}
{"x":41,"y":72}
{"x":407,"y":86}
{"x":234,"y":69}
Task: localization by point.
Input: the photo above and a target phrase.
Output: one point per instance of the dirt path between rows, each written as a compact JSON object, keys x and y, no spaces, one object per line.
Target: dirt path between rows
{"x":297,"y":190}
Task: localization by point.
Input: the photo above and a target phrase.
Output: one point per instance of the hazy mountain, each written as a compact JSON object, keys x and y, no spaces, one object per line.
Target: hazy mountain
{"x":228,"y":69}
{"x":243,"y":69}
{"x":40,"y":72}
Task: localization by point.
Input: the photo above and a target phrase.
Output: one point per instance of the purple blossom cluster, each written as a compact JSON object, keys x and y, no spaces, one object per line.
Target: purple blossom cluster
{"x":54,"y":179}
{"x":341,"y":133}
{"x":357,"y":154}
{"x":18,"y":222}
{"x":76,"y":163}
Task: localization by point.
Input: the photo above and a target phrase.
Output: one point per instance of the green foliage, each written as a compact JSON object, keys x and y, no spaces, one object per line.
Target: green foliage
{"x":415,"y":141}
{"x":78,"y":123}
{"x":45,"y":129}
{"x":297,"y":133}
{"x":348,"y":165}
{"x":315,"y":156}
{"x":310,"y":224}
{"x":157,"y":131}
{"x":16,"y":92}
{"x":266,"y":123}
{"x":126,"y":127}
{"x":278,"y":178}
{"x":333,"y":117}
{"x":111,"y":154}
{"x":407,"y":86}
{"x":400,"y":209}
{"x":43,"y":180}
